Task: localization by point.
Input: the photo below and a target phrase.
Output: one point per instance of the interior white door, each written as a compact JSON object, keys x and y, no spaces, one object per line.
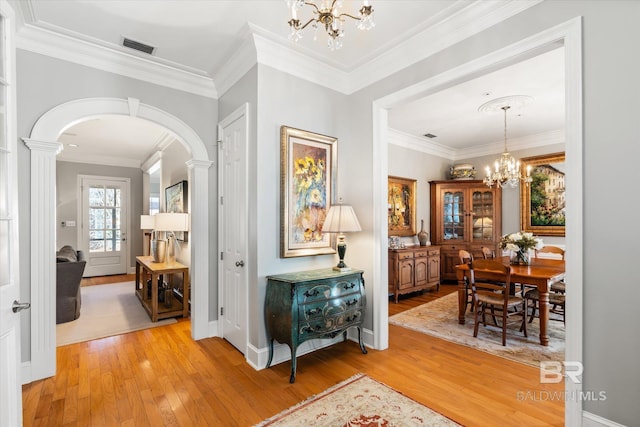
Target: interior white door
{"x":104,"y":225}
{"x":11,"y":384}
{"x":233,"y":228}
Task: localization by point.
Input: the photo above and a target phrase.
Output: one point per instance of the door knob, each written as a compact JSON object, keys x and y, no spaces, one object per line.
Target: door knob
{"x":18,"y":306}
{"x":239,"y":263}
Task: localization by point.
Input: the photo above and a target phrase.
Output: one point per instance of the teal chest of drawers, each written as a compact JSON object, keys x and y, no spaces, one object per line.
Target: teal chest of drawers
{"x":313,"y":304}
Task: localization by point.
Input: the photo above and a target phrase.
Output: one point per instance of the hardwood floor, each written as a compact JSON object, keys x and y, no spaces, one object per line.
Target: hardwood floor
{"x":161,"y":376}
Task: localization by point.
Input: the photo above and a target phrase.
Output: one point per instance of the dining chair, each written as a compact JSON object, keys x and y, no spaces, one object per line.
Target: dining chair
{"x":549,"y":249}
{"x":556,"y":302}
{"x":466,"y":258}
{"x":488,"y":253}
{"x":494,"y":298}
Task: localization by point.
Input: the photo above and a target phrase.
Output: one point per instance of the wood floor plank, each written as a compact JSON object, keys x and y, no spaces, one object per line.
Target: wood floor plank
{"x":161,"y":376}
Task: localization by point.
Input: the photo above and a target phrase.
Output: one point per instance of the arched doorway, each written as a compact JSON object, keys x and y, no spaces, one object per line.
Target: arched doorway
{"x":44,"y":147}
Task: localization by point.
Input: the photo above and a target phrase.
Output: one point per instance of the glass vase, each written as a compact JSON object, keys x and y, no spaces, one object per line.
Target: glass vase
{"x":520,"y":257}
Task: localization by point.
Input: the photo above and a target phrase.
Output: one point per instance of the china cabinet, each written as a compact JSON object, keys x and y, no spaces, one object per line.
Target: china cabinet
{"x":465,"y":214}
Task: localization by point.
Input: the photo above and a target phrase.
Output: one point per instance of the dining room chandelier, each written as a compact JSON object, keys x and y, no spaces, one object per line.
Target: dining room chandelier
{"x":328,"y":14}
{"x":506,"y":170}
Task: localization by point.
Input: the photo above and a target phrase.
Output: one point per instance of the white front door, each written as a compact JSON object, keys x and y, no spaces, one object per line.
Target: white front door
{"x":11,"y":383}
{"x":233,"y":228}
{"x":104,"y":225}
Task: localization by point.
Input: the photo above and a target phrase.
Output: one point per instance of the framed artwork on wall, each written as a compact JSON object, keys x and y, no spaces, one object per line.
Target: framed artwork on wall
{"x":401,"y":202}
{"x":307,"y":179}
{"x":542,"y":202}
{"x":176,"y":201}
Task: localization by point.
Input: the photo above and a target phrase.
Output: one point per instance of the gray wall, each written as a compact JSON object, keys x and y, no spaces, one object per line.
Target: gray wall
{"x":611,"y":131}
{"x":43,"y":83}
{"x":67,"y":202}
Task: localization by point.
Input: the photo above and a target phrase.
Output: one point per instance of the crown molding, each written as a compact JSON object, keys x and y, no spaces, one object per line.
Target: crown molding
{"x":99,"y":160}
{"x":515,"y":144}
{"x":261,"y":46}
{"x":412,"y":142}
{"x":54,"y":44}
{"x":402,"y":139}
{"x":272,"y":52}
{"x":460,"y":25}
{"x":238,"y":64}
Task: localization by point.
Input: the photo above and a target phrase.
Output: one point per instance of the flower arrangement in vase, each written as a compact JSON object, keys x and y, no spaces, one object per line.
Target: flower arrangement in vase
{"x":520,"y":244}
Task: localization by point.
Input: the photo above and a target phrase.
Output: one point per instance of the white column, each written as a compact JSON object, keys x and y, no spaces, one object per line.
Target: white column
{"x":43,"y":248}
{"x":200,"y":260}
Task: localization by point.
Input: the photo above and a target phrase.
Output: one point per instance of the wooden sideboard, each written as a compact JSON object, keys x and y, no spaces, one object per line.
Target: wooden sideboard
{"x":413,"y":269}
{"x":313,"y":304}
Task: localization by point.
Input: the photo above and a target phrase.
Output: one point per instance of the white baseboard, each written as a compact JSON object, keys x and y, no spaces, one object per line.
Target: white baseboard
{"x":592,"y":420}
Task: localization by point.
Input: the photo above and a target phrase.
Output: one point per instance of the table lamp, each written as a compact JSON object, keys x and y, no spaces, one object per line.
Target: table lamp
{"x":147,"y":222}
{"x":341,"y":219}
{"x":168,"y":224}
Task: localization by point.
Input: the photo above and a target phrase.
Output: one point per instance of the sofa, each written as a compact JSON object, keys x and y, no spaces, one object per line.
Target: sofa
{"x":69,"y":269}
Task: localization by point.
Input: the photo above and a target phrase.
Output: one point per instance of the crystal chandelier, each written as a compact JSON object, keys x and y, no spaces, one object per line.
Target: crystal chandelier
{"x":328,"y":14}
{"x":506,"y":168}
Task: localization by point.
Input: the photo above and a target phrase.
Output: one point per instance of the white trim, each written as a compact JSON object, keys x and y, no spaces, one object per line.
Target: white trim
{"x":43,"y":247}
{"x":240,"y":112}
{"x":43,"y":177}
{"x":412,"y":142}
{"x":462,"y":24}
{"x":92,"y":54}
{"x":592,"y":420}
{"x":570,"y":33}
{"x":453,"y":25}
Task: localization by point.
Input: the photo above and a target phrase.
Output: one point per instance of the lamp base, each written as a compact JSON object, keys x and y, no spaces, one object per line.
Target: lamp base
{"x":159,"y":250}
{"x":336,"y":268}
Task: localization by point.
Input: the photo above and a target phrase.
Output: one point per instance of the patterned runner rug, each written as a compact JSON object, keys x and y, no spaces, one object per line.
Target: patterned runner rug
{"x":439,"y":318}
{"x":358,"y":401}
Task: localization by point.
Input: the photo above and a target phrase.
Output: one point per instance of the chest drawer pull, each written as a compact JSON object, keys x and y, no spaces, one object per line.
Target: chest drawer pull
{"x":315,"y":293}
{"x":352,"y":302}
{"x":313,"y":311}
{"x":348,"y":286}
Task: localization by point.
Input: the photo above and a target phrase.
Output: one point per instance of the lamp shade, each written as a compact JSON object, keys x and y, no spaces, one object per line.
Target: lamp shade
{"x":341,"y":219}
{"x":147,"y":222}
{"x":171,"y":222}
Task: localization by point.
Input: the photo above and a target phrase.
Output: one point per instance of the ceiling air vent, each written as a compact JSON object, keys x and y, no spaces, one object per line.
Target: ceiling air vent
{"x":429,"y":135}
{"x":132,"y":44}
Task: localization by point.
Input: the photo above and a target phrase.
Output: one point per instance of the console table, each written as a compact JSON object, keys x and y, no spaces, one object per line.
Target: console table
{"x":146,"y":268}
{"x":313,"y":304}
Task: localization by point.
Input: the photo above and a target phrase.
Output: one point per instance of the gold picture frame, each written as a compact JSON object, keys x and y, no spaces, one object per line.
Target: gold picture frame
{"x":542,"y":201}
{"x":308,"y":165}
{"x":401,"y":202}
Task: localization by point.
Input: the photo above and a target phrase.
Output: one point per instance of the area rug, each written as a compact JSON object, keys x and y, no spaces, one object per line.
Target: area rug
{"x":358,"y":401}
{"x":439,"y":318}
{"x":106,"y":310}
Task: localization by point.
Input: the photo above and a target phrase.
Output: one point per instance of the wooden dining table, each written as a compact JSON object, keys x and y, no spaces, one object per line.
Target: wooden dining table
{"x":541,"y":272}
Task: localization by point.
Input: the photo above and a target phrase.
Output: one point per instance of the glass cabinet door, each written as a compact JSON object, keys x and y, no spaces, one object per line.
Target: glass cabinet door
{"x":483,"y":214}
{"x":453,"y":215}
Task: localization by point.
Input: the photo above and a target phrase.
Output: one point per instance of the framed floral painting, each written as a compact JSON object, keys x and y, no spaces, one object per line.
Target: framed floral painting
{"x":401,"y":203}
{"x":542,"y":202}
{"x":307,"y":178}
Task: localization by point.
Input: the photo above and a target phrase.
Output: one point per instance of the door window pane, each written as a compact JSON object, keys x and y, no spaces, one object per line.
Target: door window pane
{"x":104,"y":219}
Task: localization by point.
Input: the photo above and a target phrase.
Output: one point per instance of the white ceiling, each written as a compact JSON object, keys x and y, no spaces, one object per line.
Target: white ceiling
{"x":197,"y":38}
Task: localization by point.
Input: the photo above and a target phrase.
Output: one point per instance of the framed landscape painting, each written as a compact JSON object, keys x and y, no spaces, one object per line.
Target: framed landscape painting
{"x":542,"y":202}
{"x":401,"y":204}
{"x":307,"y":177}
